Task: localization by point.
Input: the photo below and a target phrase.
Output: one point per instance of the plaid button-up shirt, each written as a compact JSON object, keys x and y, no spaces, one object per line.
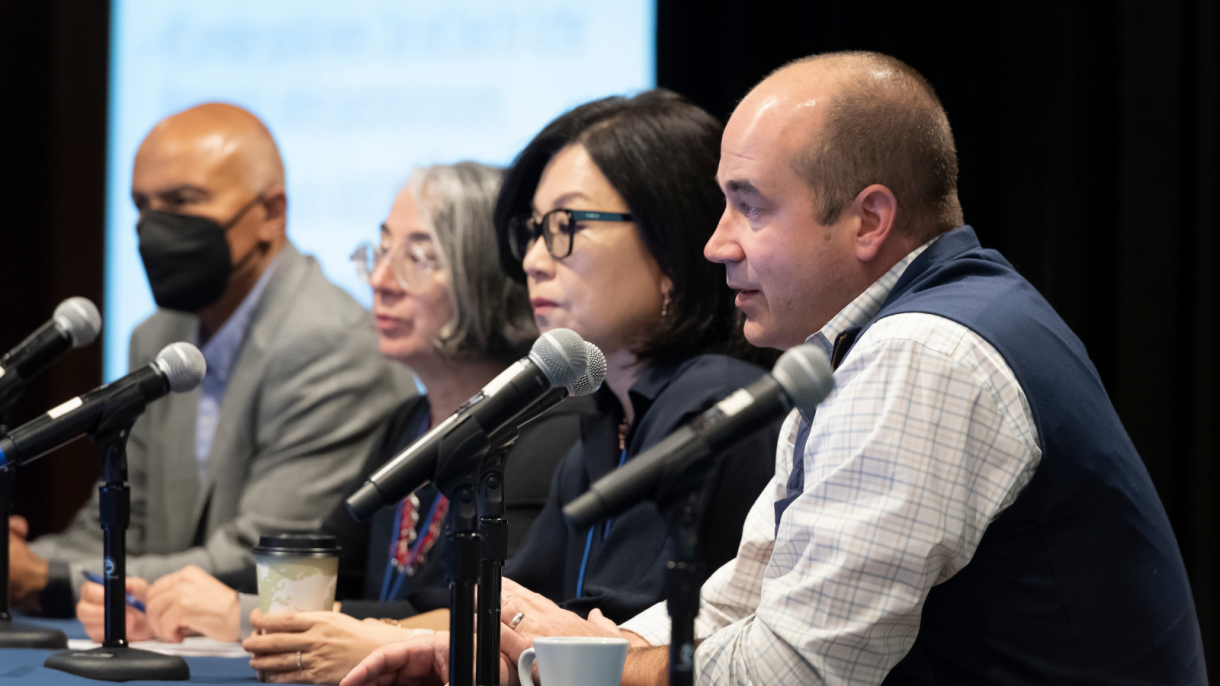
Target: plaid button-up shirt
{"x":925,"y":440}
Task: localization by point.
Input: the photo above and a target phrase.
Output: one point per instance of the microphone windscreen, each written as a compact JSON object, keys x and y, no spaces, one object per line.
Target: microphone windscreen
{"x":561,"y":355}
{"x":596,"y":368}
{"x":79,"y":318}
{"x":595,"y":373}
{"x":806,"y":376}
{"x":183,"y":365}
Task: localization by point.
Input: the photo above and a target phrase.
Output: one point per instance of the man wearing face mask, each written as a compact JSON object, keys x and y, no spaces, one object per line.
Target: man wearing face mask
{"x":295,"y":386}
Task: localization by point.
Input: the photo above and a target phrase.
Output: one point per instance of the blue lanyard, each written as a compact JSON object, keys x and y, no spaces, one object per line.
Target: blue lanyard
{"x":580,"y":580}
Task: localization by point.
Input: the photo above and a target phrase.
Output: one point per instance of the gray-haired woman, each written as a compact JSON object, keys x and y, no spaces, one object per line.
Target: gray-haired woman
{"x":444,"y":308}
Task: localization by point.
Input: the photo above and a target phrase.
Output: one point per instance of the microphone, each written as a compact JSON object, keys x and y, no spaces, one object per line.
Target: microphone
{"x":179,"y":367}
{"x":802,"y":378}
{"x":595,"y":373}
{"x":75,"y":324}
{"x":558,"y":358}
{"x":591,"y":380}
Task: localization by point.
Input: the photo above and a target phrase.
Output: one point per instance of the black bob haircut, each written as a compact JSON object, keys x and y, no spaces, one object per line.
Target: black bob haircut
{"x":660,"y":152}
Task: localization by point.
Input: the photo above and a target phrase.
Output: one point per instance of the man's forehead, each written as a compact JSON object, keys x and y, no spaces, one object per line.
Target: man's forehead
{"x":795,"y":96}
{"x":754,"y":144}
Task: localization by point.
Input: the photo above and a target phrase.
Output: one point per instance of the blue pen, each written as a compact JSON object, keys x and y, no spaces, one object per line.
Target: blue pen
{"x":131,"y":600}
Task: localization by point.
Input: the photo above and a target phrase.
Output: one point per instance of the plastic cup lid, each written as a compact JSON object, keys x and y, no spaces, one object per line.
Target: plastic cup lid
{"x":297,"y":544}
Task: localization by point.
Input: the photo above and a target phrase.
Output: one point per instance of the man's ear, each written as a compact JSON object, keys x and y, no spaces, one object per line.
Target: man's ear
{"x":274,"y":227}
{"x":877,"y":209}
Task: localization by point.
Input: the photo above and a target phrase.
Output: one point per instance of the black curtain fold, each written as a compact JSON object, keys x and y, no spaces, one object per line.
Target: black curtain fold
{"x":1088,"y":141}
{"x":53,"y":70}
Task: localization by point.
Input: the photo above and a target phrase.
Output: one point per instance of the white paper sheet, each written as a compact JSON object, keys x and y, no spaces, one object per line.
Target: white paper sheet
{"x":194,"y":646}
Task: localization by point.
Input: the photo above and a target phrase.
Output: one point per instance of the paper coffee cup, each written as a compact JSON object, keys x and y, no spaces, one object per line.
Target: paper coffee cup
{"x":296,"y":572}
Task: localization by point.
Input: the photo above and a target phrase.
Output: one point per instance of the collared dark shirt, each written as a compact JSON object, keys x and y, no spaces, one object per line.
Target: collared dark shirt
{"x":625,"y":572}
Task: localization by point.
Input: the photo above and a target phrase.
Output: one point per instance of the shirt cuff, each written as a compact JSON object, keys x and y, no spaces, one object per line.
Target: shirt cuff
{"x":247,"y":602}
{"x":58,"y":599}
{"x":652,"y":625}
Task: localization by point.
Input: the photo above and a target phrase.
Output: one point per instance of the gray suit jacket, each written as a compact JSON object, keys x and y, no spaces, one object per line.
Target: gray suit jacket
{"x":303,"y":404}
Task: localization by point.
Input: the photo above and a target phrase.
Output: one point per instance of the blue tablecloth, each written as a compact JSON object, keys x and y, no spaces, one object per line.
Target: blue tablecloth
{"x":72,"y":628}
{"x":22,"y":666}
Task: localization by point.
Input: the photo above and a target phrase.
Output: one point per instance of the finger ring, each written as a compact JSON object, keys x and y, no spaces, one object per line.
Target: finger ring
{"x":298,"y":659}
{"x":516,"y":620}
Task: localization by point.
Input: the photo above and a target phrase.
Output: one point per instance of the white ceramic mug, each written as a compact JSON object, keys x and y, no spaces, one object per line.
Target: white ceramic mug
{"x":574,"y":661}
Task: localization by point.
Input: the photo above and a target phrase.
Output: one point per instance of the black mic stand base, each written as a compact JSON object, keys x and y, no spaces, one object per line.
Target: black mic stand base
{"x":21,"y":635}
{"x":120,"y":664}
{"x":115,"y":660}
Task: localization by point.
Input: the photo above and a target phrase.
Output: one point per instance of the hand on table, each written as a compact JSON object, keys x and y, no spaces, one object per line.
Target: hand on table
{"x":330,"y":644}
{"x":541,"y":618}
{"x":191,"y":601}
{"x":27,"y":573}
{"x":91,"y":611}
{"x":646,"y":664}
{"x":545,"y":618}
{"x":422,"y":660}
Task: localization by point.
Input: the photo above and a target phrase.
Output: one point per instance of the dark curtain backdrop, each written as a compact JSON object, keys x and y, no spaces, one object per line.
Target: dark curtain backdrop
{"x":1088,"y":137}
{"x":53,"y":67}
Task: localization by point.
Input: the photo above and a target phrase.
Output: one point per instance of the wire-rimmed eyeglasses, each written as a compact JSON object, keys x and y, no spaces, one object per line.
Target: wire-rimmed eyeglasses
{"x":411,"y":261}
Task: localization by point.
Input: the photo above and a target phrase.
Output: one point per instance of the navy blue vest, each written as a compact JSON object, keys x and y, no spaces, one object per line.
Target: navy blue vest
{"x":1080,"y":580}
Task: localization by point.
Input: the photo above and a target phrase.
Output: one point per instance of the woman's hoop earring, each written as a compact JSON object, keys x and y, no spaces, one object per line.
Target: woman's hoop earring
{"x":665,"y":305}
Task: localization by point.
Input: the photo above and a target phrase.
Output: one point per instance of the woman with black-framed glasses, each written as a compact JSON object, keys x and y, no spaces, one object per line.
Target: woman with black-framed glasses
{"x":621,"y":193}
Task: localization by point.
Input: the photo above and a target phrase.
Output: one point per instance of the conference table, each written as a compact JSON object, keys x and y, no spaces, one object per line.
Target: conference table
{"x":24,"y":666}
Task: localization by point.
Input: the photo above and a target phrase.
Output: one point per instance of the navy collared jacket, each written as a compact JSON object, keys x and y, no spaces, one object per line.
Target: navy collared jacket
{"x":626,"y":562}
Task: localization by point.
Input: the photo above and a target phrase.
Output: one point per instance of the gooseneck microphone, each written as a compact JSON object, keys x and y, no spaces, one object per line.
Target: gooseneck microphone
{"x":802,"y":378}
{"x":75,"y":324}
{"x":179,"y":367}
{"x":558,"y":359}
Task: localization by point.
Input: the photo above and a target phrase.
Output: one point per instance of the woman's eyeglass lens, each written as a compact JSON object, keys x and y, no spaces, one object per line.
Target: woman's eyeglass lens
{"x":557,"y":228}
{"x":411,"y":264}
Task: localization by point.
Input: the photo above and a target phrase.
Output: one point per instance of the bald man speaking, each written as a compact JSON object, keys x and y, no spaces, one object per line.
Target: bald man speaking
{"x":295,"y":386}
{"x":965,"y":507}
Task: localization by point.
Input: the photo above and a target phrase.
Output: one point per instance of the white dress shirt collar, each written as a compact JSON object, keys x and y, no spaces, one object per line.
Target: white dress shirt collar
{"x":865,"y":306}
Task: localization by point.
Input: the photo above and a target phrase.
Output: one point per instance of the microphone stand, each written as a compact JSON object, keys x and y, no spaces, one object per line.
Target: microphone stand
{"x":460,"y":457}
{"x":116,"y":660}
{"x":493,"y":529}
{"x":463,"y":574}
{"x":683,"y":580}
{"x":683,"y":505}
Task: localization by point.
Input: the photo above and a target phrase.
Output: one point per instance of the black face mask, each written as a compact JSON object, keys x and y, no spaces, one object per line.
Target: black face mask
{"x":186,"y":257}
